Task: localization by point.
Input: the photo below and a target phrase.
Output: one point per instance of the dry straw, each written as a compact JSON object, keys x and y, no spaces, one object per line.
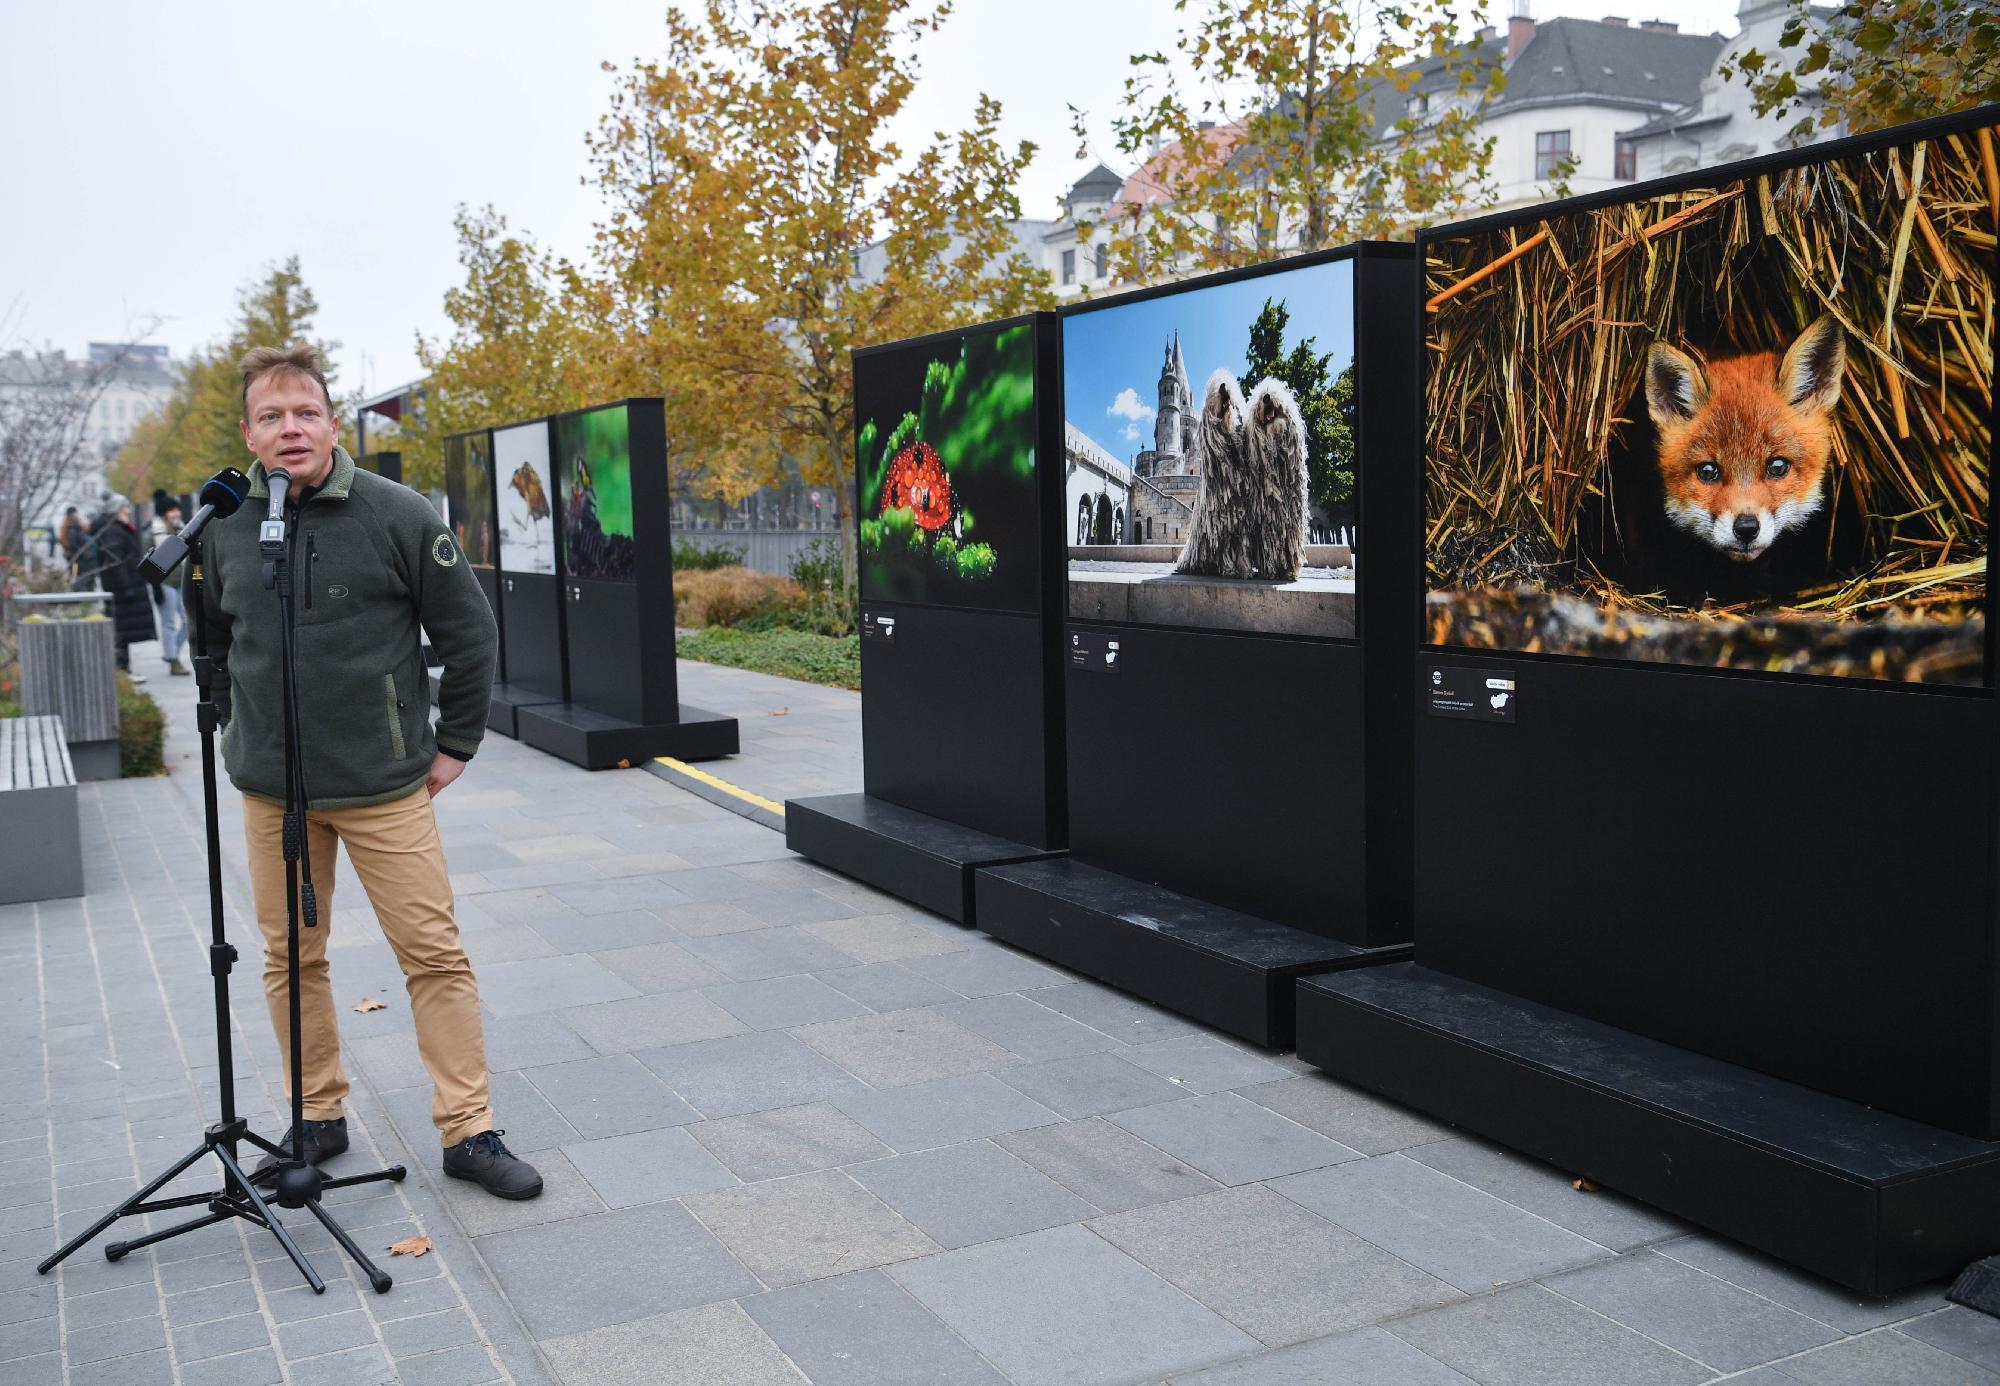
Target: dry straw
{"x":1538,"y":334}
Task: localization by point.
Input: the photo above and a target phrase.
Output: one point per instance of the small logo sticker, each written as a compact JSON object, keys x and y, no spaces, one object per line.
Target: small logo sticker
{"x":338,"y":589}
{"x":442,"y":551}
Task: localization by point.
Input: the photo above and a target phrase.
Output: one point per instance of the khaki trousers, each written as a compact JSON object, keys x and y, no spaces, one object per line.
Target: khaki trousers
{"x":399,"y":857}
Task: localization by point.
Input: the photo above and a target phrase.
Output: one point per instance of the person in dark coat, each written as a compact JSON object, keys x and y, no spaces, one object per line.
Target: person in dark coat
{"x":114,"y":553}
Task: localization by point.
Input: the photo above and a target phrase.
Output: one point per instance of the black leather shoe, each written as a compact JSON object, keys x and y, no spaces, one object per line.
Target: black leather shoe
{"x":489,"y":1164}
{"x":324,"y":1140}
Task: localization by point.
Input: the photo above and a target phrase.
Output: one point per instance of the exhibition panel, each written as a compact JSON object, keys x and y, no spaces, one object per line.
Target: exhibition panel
{"x":470,"y":514}
{"x":530,"y":601}
{"x":1705,"y":736}
{"x":957,"y":495}
{"x":613,"y":507}
{"x":1231,"y":762}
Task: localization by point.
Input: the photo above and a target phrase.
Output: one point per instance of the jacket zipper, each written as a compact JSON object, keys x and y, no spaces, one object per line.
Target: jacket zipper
{"x":312,"y":567}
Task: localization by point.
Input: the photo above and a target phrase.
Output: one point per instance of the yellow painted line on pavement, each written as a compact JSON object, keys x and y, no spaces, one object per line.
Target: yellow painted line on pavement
{"x":724,"y":785}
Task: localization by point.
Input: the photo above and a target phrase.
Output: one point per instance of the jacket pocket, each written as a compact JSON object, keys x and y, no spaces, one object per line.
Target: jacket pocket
{"x":395,"y":709}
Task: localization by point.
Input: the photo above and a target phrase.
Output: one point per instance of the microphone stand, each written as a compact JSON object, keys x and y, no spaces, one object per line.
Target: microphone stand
{"x":298,"y":1184}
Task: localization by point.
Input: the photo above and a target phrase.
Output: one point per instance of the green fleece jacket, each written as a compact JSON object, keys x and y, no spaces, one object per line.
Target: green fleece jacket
{"x":371,"y":562}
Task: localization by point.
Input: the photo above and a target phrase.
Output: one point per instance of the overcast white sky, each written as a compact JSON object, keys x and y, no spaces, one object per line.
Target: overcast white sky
{"x":159,"y":155}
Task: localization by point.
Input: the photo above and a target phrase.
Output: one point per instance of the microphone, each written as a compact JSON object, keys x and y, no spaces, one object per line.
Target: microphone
{"x":220,"y":495}
{"x":271,"y":534}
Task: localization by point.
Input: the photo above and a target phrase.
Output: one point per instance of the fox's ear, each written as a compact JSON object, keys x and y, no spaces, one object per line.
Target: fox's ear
{"x":1809,"y":376}
{"x":1675,"y":387}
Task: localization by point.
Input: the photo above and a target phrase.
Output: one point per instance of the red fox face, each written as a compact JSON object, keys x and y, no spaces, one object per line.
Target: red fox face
{"x":1744,"y":442}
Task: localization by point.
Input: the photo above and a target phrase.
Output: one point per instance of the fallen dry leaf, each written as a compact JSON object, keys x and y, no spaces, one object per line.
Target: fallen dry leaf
{"x":410,"y":1246}
{"x":624,"y":765}
{"x":369,"y":1003}
{"x":781,"y":712}
{"x":1582,"y":1185}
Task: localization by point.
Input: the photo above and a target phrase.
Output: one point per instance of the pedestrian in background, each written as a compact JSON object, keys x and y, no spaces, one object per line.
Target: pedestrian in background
{"x":167,"y":594}
{"x":114,"y":545}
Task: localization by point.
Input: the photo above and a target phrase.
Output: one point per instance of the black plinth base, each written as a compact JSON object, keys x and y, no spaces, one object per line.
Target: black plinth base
{"x":503,"y":709}
{"x":913,"y":856}
{"x":1219,"y":966}
{"x":598,"y":742}
{"x":1876,"y":1202}
{"x":1978,"y":1287}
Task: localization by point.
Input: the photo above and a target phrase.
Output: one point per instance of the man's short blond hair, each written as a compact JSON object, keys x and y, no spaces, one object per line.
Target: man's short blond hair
{"x":302,"y":359}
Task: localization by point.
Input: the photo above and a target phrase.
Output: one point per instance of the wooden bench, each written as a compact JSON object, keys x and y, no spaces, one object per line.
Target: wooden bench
{"x":41,"y":844}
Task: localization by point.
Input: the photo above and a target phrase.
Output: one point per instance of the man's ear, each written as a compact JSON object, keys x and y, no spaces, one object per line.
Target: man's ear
{"x":1675,"y":386}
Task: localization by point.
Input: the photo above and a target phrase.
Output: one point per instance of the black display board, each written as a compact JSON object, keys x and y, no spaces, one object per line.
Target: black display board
{"x":1705,"y":736}
{"x":1273,"y":737}
{"x":527,"y":541}
{"x":387,"y":465}
{"x":1234,"y":767}
{"x":958,"y":494}
{"x":610,"y":504}
{"x":469,"y":511}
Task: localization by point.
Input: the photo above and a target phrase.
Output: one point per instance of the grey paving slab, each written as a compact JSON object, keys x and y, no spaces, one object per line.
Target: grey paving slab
{"x":411,"y":1337}
{"x":944,"y":1111}
{"x":808,"y":1226}
{"x":1088,"y":1085}
{"x":780,"y":1003}
{"x":1231,"y":1139}
{"x":975,"y":1192}
{"x":1884,"y":1358}
{"x":887,"y":987}
{"x":1365,"y":1357}
{"x":715,"y":1344}
{"x":988,"y":971}
{"x":1811,"y":1296}
{"x":524,"y":906}
{"x":880,"y":938}
{"x":1026,"y":1027}
{"x":789,"y":1140}
{"x":1527,"y":1336}
{"x":904,"y":1047}
{"x":1456,"y":1232}
{"x":750,"y":1073}
{"x":155,"y":1368}
{"x":863,"y":1329}
{"x":565,"y":1194}
{"x":773,"y":952}
{"x":649,"y":1022}
{"x":1962,"y":1332}
{"x":460,"y":1366}
{"x":658,"y":967}
{"x":1608,"y":1218}
{"x":610,"y":1096}
{"x":707,"y":884}
{"x":548,"y":984}
{"x":1203,"y":1063}
{"x":1276,"y":1271}
{"x":596,"y":933}
{"x":530,"y":1041}
{"x":648,"y":1167}
{"x":121,"y":1339}
{"x":612,"y":1267}
{"x":329,"y":1333}
{"x":1710,"y":1320}
{"x":619,"y":895}
{"x":218,"y":1337}
{"x":1063,"y":1307}
{"x":1105,"y":1164}
{"x":259,"y":1368}
{"x":506,"y":943}
{"x":1119,"y":1016}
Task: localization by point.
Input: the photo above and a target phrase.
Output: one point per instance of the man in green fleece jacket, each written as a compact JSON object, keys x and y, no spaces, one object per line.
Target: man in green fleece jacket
{"x":371,"y":564}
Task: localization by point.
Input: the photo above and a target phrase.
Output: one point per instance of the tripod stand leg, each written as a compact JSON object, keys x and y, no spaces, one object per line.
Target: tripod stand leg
{"x":242,"y":1181}
{"x":377,"y":1278}
{"x":122,"y":1209}
{"x":117,"y":1251}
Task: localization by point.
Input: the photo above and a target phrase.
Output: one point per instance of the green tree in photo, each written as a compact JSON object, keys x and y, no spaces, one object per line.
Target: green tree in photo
{"x":1326,"y":400}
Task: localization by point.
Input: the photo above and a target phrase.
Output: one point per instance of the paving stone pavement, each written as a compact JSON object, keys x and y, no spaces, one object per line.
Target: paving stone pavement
{"x":795,"y":1130}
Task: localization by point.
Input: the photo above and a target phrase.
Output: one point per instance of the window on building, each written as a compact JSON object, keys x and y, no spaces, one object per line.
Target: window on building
{"x":1069,"y":267}
{"x":1418,"y":105}
{"x":1551,"y":149}
{"x":1625,"y":161}
{"x":1103,"y":255}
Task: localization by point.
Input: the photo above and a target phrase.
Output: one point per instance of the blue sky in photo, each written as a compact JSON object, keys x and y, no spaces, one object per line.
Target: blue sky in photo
{"x":1111,"y":351}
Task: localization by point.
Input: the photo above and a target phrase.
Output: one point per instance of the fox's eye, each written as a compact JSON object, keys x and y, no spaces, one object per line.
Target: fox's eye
{"x":1776,"y":467}
{"x":1709,"y":472}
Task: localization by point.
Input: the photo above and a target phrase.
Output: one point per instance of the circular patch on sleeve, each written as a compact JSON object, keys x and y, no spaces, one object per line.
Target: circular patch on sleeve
{"x":443,"y":552}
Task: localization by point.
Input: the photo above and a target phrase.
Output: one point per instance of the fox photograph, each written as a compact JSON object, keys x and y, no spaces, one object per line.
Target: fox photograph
{"x":1747,"y":424}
